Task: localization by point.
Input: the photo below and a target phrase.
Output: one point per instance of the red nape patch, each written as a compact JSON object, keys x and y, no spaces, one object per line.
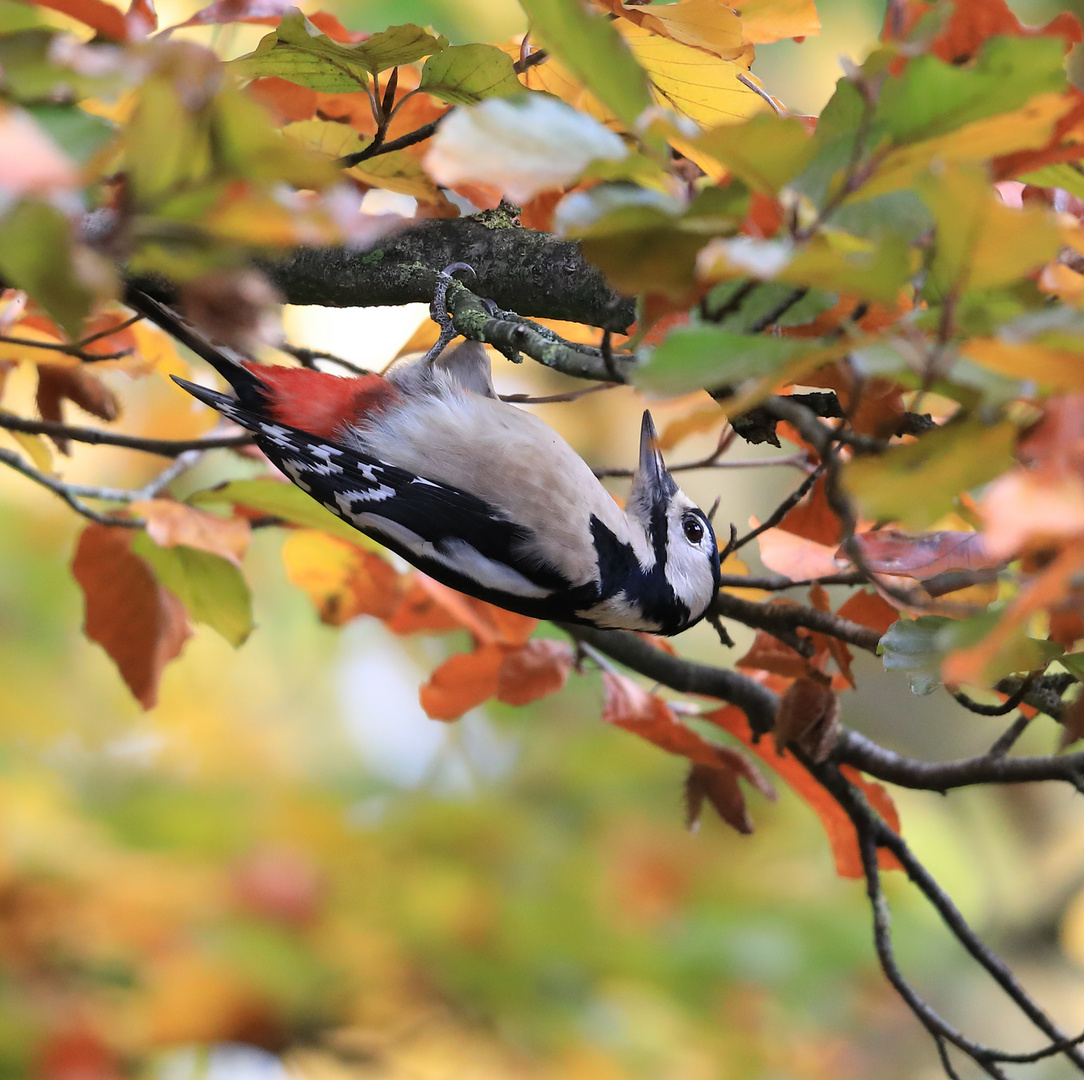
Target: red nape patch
{"x":319,"y":403}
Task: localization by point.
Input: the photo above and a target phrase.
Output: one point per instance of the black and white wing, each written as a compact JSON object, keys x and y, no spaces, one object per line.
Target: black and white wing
{"x":453,"y":536}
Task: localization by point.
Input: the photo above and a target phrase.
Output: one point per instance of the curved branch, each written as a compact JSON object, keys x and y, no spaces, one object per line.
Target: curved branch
{"x":853,"y":748}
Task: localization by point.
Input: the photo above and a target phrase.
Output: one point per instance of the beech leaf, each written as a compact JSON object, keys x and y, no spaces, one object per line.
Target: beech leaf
{"x":139,"y":623}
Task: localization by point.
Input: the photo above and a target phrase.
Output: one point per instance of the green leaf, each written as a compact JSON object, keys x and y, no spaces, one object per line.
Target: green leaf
{"x":38,"y":254}
{"x":210,"y":587}
{"x":919,"y":483}
{"x":465,"y":74}
{"x":1074,"y":664}
{"x":981,"y":243}
{"x":301,"y":54}
{"x":30,"y":71}
{"x":698,"y":357}
{"x":284,"y":501}
{"x":917,"y":646}
{"x":766,"y":152}
{"x":932,"y":98}
{"x":594,"y":52}
{"x":1064,"y":175}
{"x":77,"y":133}
{"x":762,"y":301}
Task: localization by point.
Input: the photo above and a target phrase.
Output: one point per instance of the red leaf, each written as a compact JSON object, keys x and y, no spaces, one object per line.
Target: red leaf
{"x":106,"y":19}
{"x":837,"y":825}
{"x":140,"y":624}
{"x":970,"y":24}
{"x":648,"y":716}
{"x":923,"y":555}
{"x":534,"y":671}
{"x":462,"y":682}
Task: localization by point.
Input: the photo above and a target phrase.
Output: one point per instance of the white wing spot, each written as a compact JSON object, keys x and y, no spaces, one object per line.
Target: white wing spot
{"x":345,"y":500}
{"x":294,"y":470}
{"x":278,"y":435}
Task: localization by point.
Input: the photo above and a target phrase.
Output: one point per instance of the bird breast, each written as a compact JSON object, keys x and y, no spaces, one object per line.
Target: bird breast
{"x":506,"y":456}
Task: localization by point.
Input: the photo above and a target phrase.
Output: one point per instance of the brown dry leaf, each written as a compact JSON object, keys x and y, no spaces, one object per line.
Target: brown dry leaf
{"x":342,"y":579}
{"x":808,"y":717}
{"x":721,"y":788}
{"x":462,"y":682}
{"x":170,"y":523}
{"x":140,"y":624}
{"x":239,"y":308}
{"x":1072,"y":724}
{"x":534,"y":671}
{"x":924,"y":555}
{"x":58,"y":382}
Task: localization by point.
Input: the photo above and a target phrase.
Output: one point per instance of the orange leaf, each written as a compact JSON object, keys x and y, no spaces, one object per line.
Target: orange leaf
{"x":721,"y":788}
{"x":797,"y":557}
{"x":870,"y":610}
{"x":462,"y":682}
{"x":342,"y":579}
{"x":171,"y":523}
{"x":420,"y":610}
{"x":534,"y":671}
{"x":970,"y":24}
{"x":1043,"y":590}
{"x":768,"y":653}
{"x":490,"y":625}
{"x":644,"y":714}
{"x":837,"y":825}
{"x":140,"y":624}
{"x":106,"y":19}
{"x":764,"y":21}
{"x":813,"y":518}
{"x":836,"y":648}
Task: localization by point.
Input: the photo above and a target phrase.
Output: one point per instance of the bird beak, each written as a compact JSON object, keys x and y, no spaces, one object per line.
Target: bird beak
{"x":652,"y":479}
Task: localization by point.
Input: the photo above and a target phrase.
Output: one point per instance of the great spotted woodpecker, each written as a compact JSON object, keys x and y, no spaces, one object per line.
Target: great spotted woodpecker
{"x":478,"y":494}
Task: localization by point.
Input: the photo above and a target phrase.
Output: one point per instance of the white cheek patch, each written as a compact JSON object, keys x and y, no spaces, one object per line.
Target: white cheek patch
{"x":456,"y":555}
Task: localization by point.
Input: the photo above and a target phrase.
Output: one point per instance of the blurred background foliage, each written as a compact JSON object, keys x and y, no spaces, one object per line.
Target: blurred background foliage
{"x":286,"y":869}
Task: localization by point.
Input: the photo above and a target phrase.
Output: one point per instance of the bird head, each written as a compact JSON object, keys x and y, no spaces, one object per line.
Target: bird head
{"x":682,"y":552}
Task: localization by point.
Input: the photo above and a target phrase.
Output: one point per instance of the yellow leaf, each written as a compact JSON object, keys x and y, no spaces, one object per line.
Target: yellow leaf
{"x":1047,"y":365}
{"x":763,"y":21}
{"x":980,"y":242}
{"x":703,"y":87}
{"x":702,"y":24}
{"x":36,"y":448}
{"x":342,"y":580}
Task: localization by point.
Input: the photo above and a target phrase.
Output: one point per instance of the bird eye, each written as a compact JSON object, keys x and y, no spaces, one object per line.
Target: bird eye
{"x":694,"y":530}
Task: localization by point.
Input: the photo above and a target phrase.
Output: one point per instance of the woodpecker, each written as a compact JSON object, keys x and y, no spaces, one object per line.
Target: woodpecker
{"x":480,"y":495}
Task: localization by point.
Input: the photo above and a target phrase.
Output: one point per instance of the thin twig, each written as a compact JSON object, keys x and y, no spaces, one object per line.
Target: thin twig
{"x":96,"y":437}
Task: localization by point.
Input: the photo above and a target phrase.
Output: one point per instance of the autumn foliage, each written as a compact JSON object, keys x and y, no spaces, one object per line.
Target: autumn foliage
{"x":891,"y":293}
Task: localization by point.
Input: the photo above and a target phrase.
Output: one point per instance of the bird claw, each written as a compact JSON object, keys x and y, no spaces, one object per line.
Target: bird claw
{"x":438,"y":309}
